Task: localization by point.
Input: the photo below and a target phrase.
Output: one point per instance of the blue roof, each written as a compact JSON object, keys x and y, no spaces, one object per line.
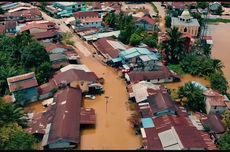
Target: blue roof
{"x":116,"y":60}
{"x":147,"y":122}
{"x":133,"y":52}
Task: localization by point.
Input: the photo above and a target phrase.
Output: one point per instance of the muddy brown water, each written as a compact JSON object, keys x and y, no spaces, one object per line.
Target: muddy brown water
{"x":221,"y":48}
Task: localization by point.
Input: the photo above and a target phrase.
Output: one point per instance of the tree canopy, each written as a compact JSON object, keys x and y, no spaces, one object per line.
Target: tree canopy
{"x":218,"y":82}
{"x":194,"y":97}
{"x":20,"y":55}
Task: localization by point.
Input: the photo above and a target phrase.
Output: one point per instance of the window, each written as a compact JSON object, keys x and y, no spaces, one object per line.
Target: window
{"x":185,"y":29}
{"x":215,"y":107}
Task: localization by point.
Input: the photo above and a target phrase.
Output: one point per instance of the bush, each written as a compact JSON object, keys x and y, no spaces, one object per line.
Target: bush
{"x":218,"y":82}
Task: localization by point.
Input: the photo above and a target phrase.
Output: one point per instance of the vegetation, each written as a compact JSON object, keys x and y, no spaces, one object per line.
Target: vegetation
{"x":130,"y":34}
{"x":20,"y":55}
{"x":193,"y":96}
{"x":168,"y":21}
{"x":218,"y":82}
{"x":224,"y":141}
{"x":176,"y":68}
{"x":1,"y":11}
{"x":174,"y":47}
{"x":66,"y":39}
{"x":202,"y":5}
{"x":12,"y":135}
{"x":226,"y":119}
{"x":219,"y":20}
{"x":155,"y":8}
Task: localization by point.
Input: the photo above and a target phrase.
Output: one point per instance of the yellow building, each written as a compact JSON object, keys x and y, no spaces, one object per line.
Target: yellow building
{"x":186,"y":23}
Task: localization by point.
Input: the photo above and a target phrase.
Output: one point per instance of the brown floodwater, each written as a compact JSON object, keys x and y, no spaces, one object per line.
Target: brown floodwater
{"x":185,"y":79}
{"x":35,"y":107}
{"x":112,"y":131}
{"x":221,"y":48}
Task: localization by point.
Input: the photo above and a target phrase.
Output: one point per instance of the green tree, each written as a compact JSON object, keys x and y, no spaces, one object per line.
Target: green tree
{"x":224,"y":141}
{"x":218,"y":82}
{"x":10,"y":113}
{"x":1,"y":11}
{"x":44,"y":72}
{"x":110,"y":19}
{"x":150,"y":41}
{"x":135,"y":39}
{"x":194,"y":97}
{"x":168,"y":21}
{"x":13,"y":137}
{"x":219,"y":10}
{"x":174,"y":47}
{"x":217,"y":65}
{"x":226,"y":119}
{"x":202,"y":5}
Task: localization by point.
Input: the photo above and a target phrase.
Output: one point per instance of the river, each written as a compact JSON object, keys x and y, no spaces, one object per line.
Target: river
{"x":221,"y":48}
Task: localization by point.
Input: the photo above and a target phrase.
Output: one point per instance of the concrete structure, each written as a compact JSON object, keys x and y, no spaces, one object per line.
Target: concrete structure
{"x":186,"y":24}
{"x":214,"y":102}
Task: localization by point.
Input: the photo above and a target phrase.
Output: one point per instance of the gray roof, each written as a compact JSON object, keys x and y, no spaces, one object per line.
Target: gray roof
{"x":176,"y":22}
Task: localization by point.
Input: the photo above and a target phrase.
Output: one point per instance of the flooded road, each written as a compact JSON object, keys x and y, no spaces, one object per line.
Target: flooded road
{"x":112,"y":131}
{"x":221,"y":48}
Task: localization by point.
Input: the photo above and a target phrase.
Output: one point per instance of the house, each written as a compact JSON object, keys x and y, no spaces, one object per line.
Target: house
{"x":87,"y":19}
{"x":24,"y":88}
{"x":208,"y":40}
{"x":58,"y":60}
{"x":48,"y":36}
{"x":57,"y":48}
{"x":38,"y":26}
{"x":214,"y":123}
{"x":65,"y":9}
{"x":185,"y":23}
{"x":172,"y":132}
{"x":137,"y":58}
{"x":214,"y":102}
{"x":22,"y":16}
{"x":59,"y":126}
{"x":9,"y":5}
{"x":101,"y":34}
{"x":109,"y":48}
{"x":162,"y":75}
{"x":147,"y":23}
{"x":152,"y":97}
{"x":47,"y":90}
{"x":8,"y":27}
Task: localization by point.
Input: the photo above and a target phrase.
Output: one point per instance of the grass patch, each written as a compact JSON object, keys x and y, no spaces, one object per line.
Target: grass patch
{"x":177,"y":69}
{"x":219,"y":20}
{"x":66,"y":39}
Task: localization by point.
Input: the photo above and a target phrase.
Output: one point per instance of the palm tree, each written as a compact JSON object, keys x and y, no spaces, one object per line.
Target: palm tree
{"x":174,"y":48}
{"x":217,"y":65}
{"x":11,"y":113}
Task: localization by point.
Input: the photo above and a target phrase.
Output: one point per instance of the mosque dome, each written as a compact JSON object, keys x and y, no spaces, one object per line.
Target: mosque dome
{"x":185,"y":14}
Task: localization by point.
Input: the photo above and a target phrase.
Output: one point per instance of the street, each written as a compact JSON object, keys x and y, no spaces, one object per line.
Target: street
{"x":110,"y":124}
{"x":162,"y":15}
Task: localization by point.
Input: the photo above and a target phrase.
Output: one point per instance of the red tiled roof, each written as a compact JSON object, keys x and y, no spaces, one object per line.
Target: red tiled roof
{"x":47,"y":87}
{"x":38,"y":124}
{"x":163,"y":73}
{"x":20,"y":82}
{"x":214,"y":122}
{"x":2,"y":29}
{"x":91,"y":20}
{"x":178,"y":5}
{"x":65,"y":124}
{"x":88,"y":14}
{"x":52,"y":46}
{"x":147,"y":19}
{"x":87,"y":116}
{"x":214,"y":98}
{"x":74,"y":75}
{"x":96,"y":5}
{"x":31,"y":13}
{"x":45,"y":35}
{"x":33,"y":25}
{"x":104,"y":47}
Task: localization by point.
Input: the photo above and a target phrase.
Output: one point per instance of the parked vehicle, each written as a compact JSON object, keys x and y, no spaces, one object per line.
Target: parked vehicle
{"x":90,"y":97}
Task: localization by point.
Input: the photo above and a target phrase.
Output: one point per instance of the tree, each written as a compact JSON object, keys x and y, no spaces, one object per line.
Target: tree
{"x":1,"y":11}
{"x":218,"y":82}
{"x":217,"y":65}
{"x":226,"y":119}
{"x":44,"y":72}
{"x":135,"y":39}
{"x":202,"y":5}
{"x":194,"y":97}
{"x":224,"y":141}
{"x":219,"y":10}
{"x":13,"y":137}
{"x":110,"y":19}
{"x":173,"y":47}
{"x":168,"y":21}
{"x":150,"y":41}
{"x":10,"y":113}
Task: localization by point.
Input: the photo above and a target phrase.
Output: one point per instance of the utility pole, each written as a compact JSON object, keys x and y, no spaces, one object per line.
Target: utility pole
{"x":106,"y":102}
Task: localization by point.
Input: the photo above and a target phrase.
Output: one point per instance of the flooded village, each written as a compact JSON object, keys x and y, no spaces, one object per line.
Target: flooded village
{"x":114,"y":75}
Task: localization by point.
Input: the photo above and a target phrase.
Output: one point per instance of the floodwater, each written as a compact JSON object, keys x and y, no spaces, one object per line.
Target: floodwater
{"x":221,"y":48}
{"x":35,"y":107}
{"x":185,"y":79}
{"x":112,"y":131}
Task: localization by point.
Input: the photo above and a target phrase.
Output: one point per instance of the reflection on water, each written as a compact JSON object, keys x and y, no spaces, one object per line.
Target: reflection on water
{"x":221,"y":48}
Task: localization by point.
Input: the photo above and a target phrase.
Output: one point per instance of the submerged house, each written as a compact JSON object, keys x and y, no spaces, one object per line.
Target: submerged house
{"x":160,"y":76}
{"x":59,"y":126}
{"x":24,"y":88}
{"x":136,"y":58}
{"x":147,"y":23}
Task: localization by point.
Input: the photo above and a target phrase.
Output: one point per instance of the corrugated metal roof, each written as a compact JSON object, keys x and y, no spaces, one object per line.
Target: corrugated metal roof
{"x":147,"y":123}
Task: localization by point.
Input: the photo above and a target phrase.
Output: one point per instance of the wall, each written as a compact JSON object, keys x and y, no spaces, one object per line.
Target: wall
{"x":145,"y":26}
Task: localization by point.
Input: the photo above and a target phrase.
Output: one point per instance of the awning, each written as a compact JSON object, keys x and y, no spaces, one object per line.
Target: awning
{"x":116,"y":60}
